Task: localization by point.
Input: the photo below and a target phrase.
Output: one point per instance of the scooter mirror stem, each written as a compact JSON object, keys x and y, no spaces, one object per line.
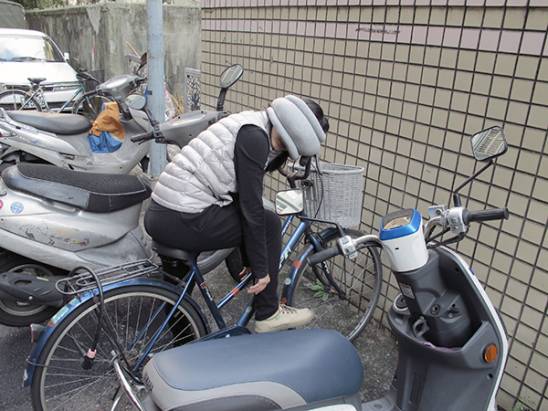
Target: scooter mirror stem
{"x":456,"y":196}
{"x":221,"y":99}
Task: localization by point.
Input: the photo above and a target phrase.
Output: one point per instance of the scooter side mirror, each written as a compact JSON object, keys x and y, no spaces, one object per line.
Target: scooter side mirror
{"x":289,"y":202}
{"x":489,"y":143}
{"x":136,"y":101}
{"x":230,"y":76}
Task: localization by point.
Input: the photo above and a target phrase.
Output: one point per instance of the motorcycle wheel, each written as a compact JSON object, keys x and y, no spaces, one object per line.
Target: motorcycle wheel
{"x":21,"y":313}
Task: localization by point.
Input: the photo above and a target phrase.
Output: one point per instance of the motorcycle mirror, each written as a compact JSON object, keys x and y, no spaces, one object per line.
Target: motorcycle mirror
{"x":231,"y":75}
{"x":136,"y":101}
{"x":289,"y":202}
{"x":489,"y":143}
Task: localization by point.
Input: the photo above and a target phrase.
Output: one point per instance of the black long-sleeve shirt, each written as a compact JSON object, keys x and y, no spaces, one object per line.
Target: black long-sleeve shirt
{"x":250,"y":156}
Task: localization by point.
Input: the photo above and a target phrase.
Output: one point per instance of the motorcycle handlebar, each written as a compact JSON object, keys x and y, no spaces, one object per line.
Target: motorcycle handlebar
{"x":485,"y":215}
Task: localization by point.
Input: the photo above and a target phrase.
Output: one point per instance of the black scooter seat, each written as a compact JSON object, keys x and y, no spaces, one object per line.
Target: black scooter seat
{"x":255,"y":372}
{"x":58,"y":123}
{"x":98,"y":193}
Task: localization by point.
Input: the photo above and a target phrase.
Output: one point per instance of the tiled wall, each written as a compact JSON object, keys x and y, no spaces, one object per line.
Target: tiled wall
{"x":405,"y":83}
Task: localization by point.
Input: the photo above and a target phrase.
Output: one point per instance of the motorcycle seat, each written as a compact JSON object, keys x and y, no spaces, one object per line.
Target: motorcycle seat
{"x":98,"y":193}
{"x":58,"y":123}
{"x":256,"y":372}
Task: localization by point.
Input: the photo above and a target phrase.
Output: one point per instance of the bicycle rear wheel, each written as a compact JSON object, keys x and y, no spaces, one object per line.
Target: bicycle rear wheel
{"x":132,"y":314}
{"x":18,"y":100}
{"x":90,"y":105}
{"x":343,"y":293}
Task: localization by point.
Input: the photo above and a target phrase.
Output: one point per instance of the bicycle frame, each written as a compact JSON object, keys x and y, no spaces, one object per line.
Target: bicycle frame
{"x":193,"y":277}
{"x":38,"y":94}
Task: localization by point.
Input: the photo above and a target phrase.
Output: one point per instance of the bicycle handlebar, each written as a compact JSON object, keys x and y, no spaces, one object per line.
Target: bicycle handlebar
{"x":295,"y":176}
{"x":323,"y":255}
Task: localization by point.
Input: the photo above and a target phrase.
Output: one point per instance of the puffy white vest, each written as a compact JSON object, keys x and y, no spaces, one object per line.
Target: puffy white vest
{"x":202,"y":173}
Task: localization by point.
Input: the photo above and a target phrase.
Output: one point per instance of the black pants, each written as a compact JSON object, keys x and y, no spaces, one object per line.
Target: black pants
{"x":213,"y":229}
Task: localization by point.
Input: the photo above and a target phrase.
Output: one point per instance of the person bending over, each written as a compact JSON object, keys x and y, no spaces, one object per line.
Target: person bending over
{"x":210,"y":196}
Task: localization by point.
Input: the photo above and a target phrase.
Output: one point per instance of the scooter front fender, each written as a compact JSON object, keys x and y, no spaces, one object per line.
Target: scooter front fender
{"x":64,"y":312}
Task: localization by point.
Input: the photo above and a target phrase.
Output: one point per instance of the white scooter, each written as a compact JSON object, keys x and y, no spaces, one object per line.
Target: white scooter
{"x":451,"y":341}
{"x":61,"y":139}
{"x":53,"y":220}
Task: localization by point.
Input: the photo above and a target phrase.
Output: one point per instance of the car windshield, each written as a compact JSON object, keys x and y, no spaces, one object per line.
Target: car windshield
{"x":26,"y":48}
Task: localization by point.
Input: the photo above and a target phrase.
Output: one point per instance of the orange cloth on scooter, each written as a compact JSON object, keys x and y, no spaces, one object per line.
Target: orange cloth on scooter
{"x":109,"y":120}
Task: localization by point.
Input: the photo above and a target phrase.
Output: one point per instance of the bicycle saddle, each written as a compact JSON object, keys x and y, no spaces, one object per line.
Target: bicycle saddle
{"x":167,"y":251}
{"x":256,"y":372}
{"x":36,"y":80}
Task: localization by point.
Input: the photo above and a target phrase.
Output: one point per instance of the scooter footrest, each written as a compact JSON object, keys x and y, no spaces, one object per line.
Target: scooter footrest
{"x":30,"y":289}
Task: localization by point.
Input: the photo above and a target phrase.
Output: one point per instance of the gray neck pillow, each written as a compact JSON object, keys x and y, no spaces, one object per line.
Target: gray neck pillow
{"x":297,"y":125}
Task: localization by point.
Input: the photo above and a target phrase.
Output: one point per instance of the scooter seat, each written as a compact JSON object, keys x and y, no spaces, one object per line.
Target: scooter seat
{"x":58,"y":123}
{"x":98,"y":193}
{"x":256,"y":372}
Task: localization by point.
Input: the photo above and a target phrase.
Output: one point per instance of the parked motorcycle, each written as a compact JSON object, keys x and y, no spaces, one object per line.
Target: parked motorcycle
{"x":53,"y":220}
{"x":61,"y":139}
{"x":451,"y":341}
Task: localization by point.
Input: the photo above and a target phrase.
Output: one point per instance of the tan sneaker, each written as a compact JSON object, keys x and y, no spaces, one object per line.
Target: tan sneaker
{"x":286,"y":317}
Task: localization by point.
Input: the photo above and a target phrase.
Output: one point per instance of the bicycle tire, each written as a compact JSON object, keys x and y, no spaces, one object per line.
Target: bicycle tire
{"x":350,"y":311}
{"x":26,"y":98}
{"x":89,"y":105}
{"x":63,"y":348}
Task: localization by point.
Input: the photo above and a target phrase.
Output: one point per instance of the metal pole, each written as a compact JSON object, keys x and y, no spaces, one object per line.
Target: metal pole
{"x":155,"y":100}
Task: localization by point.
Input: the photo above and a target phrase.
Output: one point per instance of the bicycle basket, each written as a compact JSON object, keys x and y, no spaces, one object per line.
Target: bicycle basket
{"x":343,"y":188}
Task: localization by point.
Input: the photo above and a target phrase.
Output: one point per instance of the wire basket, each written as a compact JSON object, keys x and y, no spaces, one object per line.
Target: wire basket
{"x":343,"y":187}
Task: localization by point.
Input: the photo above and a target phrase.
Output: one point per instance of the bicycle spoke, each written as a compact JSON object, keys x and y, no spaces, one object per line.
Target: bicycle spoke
{"x":64,"y":384}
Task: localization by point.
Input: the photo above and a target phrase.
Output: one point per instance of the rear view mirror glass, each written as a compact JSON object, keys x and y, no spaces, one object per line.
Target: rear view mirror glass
{"x":289,"y":202}
{"x":231,"y":75}
{"x":489,"y":143}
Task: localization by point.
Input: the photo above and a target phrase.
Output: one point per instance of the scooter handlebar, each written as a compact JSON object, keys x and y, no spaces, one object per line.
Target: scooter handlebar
{"x":485,"y":215}
{"x":141,"y":138}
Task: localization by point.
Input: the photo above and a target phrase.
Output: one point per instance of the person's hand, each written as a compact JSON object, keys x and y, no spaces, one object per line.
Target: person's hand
{"x":259,"y":286}
{"x":245,"y":271}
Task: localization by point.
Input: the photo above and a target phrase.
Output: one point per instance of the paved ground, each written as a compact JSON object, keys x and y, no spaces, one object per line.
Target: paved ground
{"x":377,"y":349}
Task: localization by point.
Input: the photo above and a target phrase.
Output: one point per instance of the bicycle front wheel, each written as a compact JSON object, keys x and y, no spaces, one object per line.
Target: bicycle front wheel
{"x":131,"y":316}
{"x":343,"y":293}
{"x":18,"y":100}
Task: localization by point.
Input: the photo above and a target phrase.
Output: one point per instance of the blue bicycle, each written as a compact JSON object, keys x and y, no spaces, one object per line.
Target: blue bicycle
{"x":137,"y":310}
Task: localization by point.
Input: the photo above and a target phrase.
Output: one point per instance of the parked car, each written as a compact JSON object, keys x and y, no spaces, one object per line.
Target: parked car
{"x":28,"y":54}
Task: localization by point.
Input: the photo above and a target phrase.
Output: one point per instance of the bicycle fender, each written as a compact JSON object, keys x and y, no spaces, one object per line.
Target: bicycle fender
{"x":32,"y":359}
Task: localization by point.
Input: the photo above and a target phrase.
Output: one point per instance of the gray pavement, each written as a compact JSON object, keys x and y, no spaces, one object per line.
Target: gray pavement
{"x":376,"y":346}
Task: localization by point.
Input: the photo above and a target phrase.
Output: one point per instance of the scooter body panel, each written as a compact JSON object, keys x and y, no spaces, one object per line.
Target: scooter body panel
{"x":65,"y":236}
{"x":426,"y":370}
{"x":74,"y":151}
{"x":185,"y":127}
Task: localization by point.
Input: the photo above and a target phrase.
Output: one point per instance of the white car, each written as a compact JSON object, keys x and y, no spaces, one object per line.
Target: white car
{"x":28,"y":54}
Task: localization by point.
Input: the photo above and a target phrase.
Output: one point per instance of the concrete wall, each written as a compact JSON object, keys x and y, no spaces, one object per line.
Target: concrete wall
{"x":404,"y":84}
{"x":98,"y":36}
